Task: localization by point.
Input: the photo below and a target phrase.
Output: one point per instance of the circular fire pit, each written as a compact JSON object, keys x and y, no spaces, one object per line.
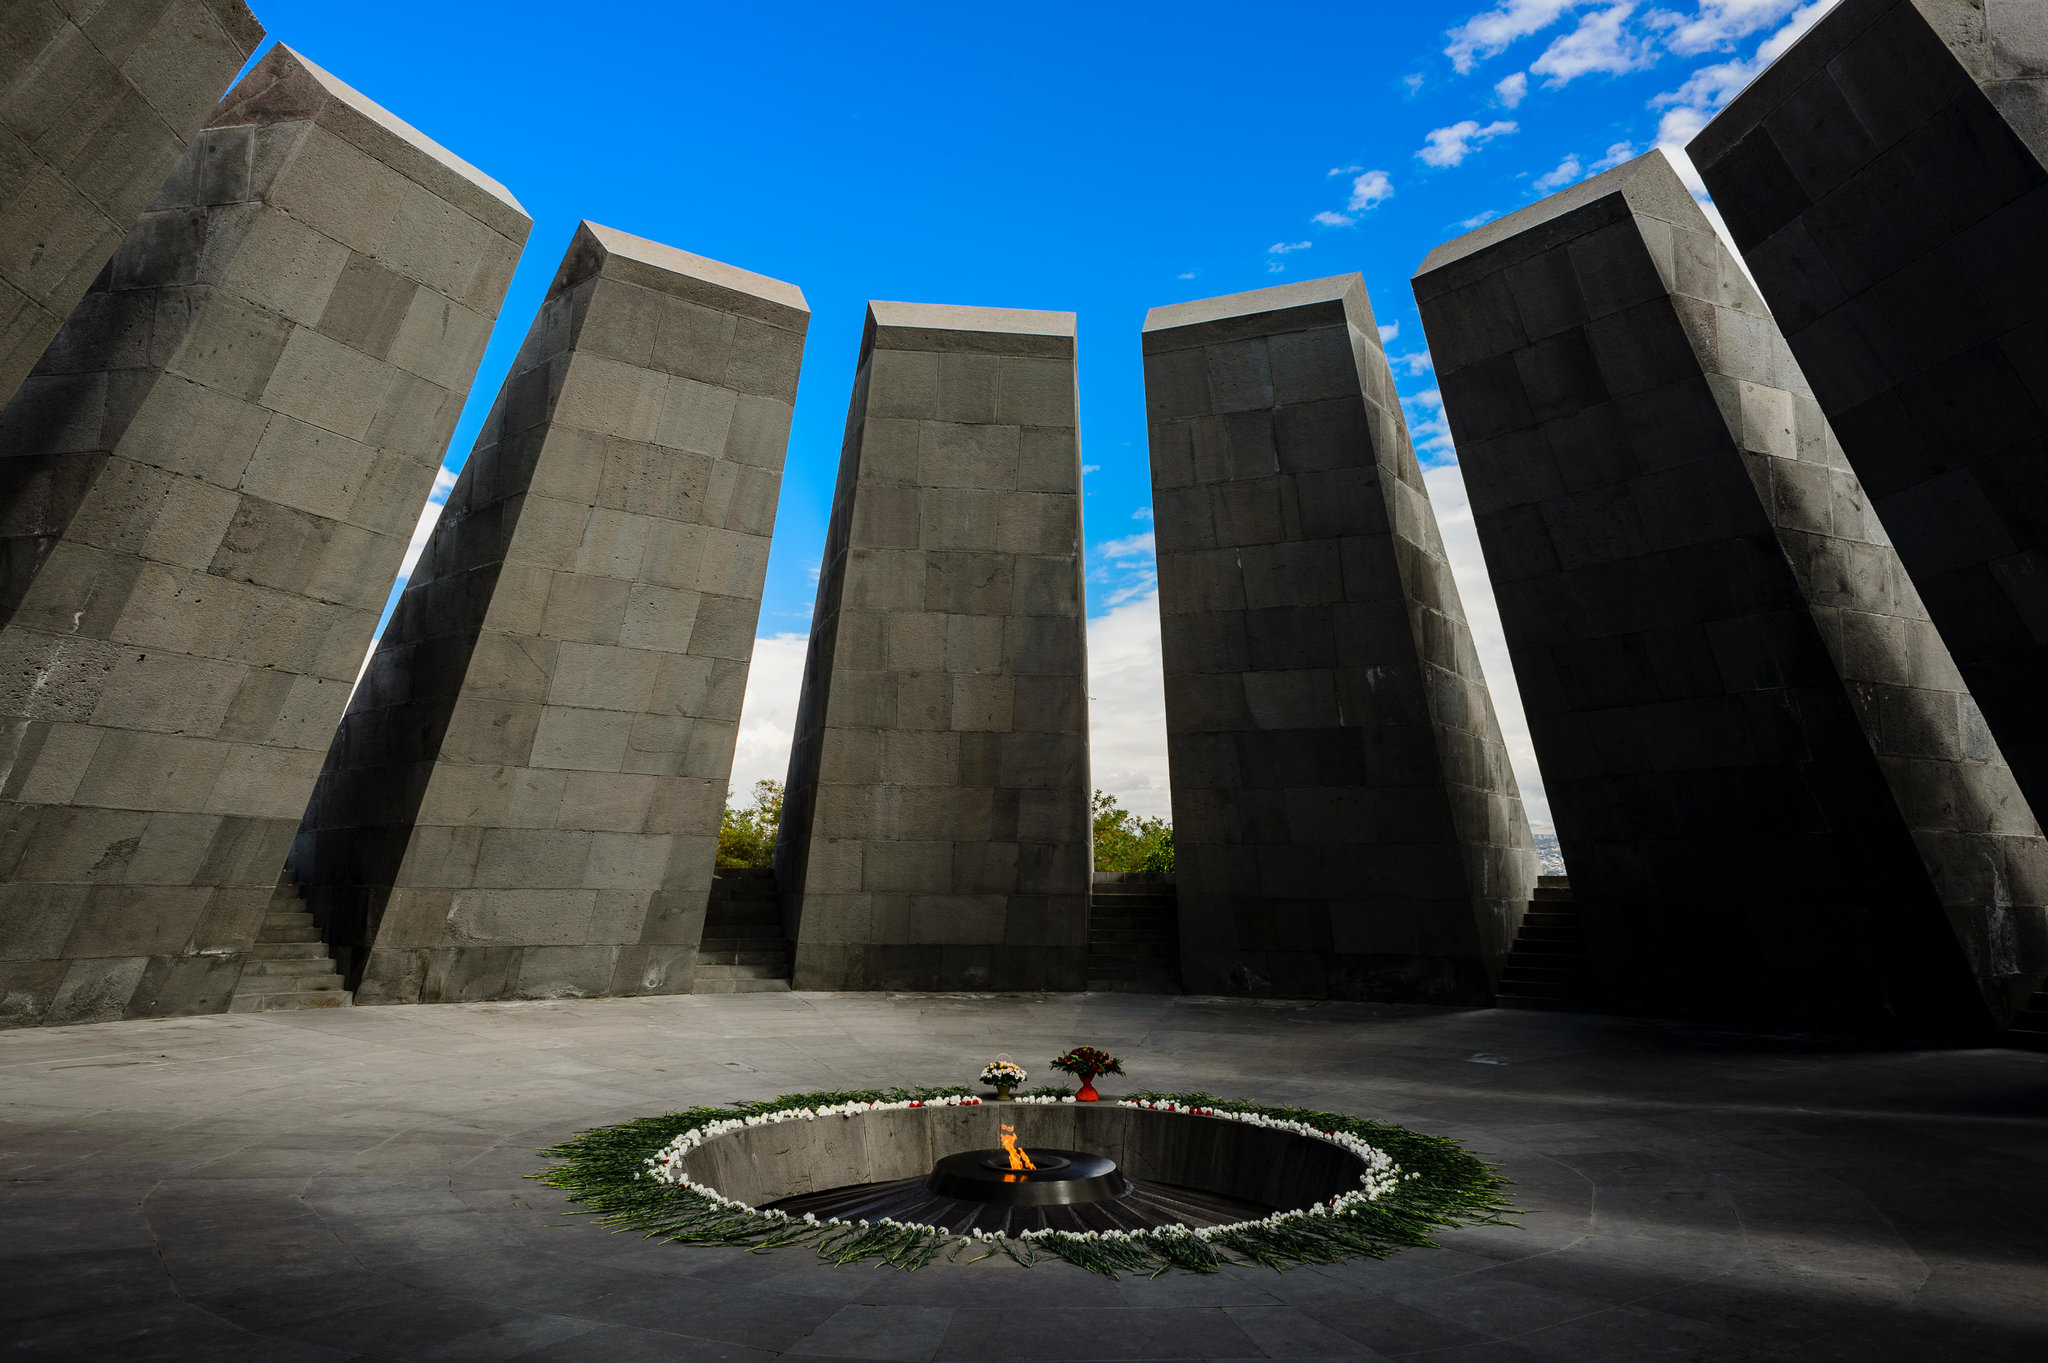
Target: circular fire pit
{"x":1056,"y":1178}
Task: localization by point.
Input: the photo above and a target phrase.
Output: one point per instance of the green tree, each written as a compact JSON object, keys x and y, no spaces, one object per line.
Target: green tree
{"x":1126,"y":842}
{"x":747,"y":836}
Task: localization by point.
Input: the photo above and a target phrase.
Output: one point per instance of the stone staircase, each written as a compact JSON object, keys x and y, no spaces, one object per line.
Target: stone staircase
{"x":2029,"y":1030}
{"x":1548,"y":966}
{"x":1133,"y":934}
{"x":289,"y":966}
{"x":743,"y":950}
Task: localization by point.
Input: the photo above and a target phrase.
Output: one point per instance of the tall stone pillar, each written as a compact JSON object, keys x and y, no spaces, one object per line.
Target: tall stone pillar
{"x":97,"y":103}
{"x":935,"y":830}
{"x":1346,"y":823}
{"x":524,"y":798}
{"x":1887,"y":182}
{"x":1774,"y":793}
{"x":207,"y":488}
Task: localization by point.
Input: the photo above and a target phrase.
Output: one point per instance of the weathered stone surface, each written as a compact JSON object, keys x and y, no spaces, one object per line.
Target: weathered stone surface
{"x":1887,"y":182}
{"x":210,"y":481}
{"x":523,"y":800}
{"x":1774,"y":793}
{"x":935,"y":831}
{"x":1346,"y":823}
{"x":97,"y":103}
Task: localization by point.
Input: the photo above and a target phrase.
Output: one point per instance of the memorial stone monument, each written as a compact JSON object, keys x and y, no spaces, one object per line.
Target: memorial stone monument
{"x":209,"y":484}
{"x":524,"y":798}
{"x":935,"y":830}
{"x":97,"y":103}
{"x":1776,"y":796}
{"x":1887,"y":182}
{"x":1346,"y":823}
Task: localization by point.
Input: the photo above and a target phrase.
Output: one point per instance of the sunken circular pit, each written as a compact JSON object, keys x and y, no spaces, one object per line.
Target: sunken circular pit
{"x":1144,"y":1184}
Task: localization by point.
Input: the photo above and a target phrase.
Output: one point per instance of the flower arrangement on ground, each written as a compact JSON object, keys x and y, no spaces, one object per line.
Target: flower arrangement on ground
{"x":1005,"y":1074}
{"x":632,"y":1175}
{"x":1088,"y":1064}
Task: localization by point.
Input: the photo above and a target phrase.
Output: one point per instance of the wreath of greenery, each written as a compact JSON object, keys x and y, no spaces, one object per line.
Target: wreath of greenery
{"x":1443,"y":1185}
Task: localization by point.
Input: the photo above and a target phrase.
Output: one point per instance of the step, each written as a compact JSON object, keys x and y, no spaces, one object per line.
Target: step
{"x":775,"y":960}
{"x":704,"y":986}
{"x":1571,"y":1004}
{"x":288,"y":932}
{"x":1548,"y":948}
{"x":1162,"y":985}
{"x":1164,"y":922}
{"x":1525,"y":990}
{"x":300,"y":966}
{"x":1099,"y":933}
{"x":275,"y":1003}
{"x":743,"y":932}
{"x":737,"y":912}
{"x":289,"y":951}
{"x":723,"y":970}
{"x":1517,"y":973}
{"x":1541,"y":895}
{"x":1099,"y":948}
{"x":287,"y":984}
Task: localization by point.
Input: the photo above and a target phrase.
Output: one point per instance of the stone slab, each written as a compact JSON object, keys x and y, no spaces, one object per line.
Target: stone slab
{"x":212,"y":477}
{"x":97,"y":104}
{"x":1346,"y":823}
{"x":935,"y":828}
{"x":1774,"y":794}
{"x":523,"y":800}
{"x":1887,"y":182}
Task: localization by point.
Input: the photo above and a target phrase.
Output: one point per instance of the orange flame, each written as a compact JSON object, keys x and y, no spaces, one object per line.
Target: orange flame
{"x":1018,"y":1159}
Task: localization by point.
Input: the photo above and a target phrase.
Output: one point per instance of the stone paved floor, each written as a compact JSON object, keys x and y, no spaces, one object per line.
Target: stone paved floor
{"x":321,"y":1186}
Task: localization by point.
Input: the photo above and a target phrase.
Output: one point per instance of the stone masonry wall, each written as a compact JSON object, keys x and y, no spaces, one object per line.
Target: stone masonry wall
{"x":936,"y":830}
{"x":1887,"y":181}
{"x":1346,"y":823}
{"x":97,"y":103}
{"x":1775,"y":795}
{"x":524,"y":798}
{"x":207,"y":487}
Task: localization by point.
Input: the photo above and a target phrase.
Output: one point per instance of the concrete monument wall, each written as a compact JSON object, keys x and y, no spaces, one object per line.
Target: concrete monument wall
{"x":1775,"y":795}
{"x":207,"y":487}
{"x":524,"y":798}
{"x":1887,"y":181}
{"x":97,"y":103}
{"x":935,"y":830}
{"x":1346,"y":823}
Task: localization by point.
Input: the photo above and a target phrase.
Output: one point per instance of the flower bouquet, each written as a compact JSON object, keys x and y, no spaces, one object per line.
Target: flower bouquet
{"x":1005,"y":1074}
{"x":1086,"y":1063}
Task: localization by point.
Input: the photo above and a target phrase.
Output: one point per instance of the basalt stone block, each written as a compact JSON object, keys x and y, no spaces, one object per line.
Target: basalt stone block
{"x":97,"y":103}
{"x":935,"y":830}
{"x":1775,"y":794}
{"x":1887,"y":182}
{"x":523,"y":800}
{"x":209,"y":483}
{"x":1345,"y":818}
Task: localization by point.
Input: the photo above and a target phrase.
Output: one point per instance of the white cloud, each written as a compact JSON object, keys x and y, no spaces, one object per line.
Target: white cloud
{"x":1429,"y":431}
{"x":1125,"y":568}
{"x":1449,"y":146}
{"x":1275,"y":268}
{"x":1185,"y":274}
{"x":1345,"y":170}
{"x":1389,"y":332}
{"x":1329,"y":219}
{"x":1468,"y":567}
{"x":1618,"y":153}
{"x":1414,"y":365}
{"x":1479,"y":219}
{"x":1487,"y":34}
{"x":1143,"y":513}
{"x":1718,"y":24}
{"x":1281,"y":248}
{"x":1370,"y":190}
{"x":775,"y":682}
{"x":1087,"y":469}
{"x":1568,"y":171}
{"x":1601,"y":44}
{"x":1511,"y":91}
{"x":1127,"y":707}
{"x":1414,"y":83}
{"x":1139,"y":545}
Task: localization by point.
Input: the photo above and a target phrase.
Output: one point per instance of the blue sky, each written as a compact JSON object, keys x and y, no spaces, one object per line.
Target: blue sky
{"x":1096,"y":159}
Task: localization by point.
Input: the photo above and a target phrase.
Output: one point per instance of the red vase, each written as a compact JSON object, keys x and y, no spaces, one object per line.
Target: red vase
{"x":1087,"y":1093}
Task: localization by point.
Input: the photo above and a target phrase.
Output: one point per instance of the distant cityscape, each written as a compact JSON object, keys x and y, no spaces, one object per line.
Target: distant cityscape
{"x":1550,"y":861}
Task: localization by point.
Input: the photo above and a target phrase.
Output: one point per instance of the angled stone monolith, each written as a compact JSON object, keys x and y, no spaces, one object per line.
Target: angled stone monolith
{"x":935,"y":830}
{"x":207,"y":488}
{"x":1774,"y":793}
{"x":524,"y":798}
{"x":1887,"y":182}
{"x":1346,"y":823}
{"x":97,"y":103}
